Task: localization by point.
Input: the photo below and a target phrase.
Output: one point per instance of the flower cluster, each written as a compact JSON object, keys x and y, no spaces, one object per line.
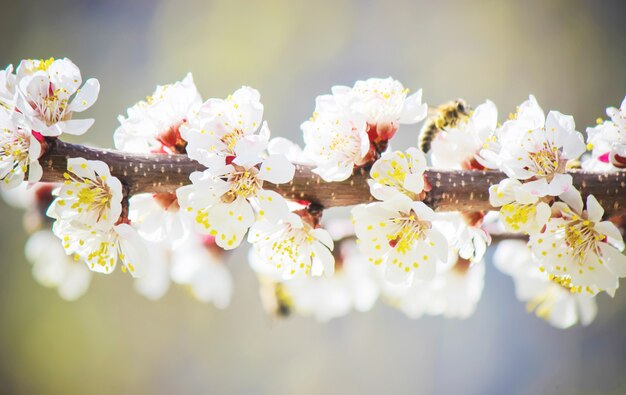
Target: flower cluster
{"x":396,"y":248}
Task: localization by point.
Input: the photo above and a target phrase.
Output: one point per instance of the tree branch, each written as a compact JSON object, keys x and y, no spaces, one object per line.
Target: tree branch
{"x":451,"y":190}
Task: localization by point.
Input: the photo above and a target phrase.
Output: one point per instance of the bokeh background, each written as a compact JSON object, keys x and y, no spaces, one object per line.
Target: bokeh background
{"x":569,"y":53}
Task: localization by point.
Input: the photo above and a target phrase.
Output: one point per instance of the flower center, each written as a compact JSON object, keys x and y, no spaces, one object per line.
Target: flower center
{"x":15,"y":146}
{"x":52,"y":107}
{"x":231,"y":139}
{"x":243,"y":182}
{"x":581,"y":237}
{"x":546,"y":162}
{"x":516,"y":215}
{"x":411,"y":230}
{"x":91,"y":195}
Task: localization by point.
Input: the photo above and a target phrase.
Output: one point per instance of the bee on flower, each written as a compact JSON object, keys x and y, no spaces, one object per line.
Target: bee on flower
{"x":550,"y":300}
{"x":49,"y":92}
{"x":579,"y":250}
{"x":607,"y":142}
{"x":19,"y":152}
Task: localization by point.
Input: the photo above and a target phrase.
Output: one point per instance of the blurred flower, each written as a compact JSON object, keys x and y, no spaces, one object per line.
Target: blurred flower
{"x":579,"y":250}
{"x":158,"y":218}
{"x":458,"y":147}
{"x":155,"y":281}
{"x":19,"y":152}
{"x":469,"y":240}
{"x":398,"y":233}
{"x":7,"y":88}
{"x":549,"y":300}
{"x":608,"y":142}
{"x":53,"y":268}
{"x":44,"y":96}
{"x":294,"y":247}
{"x":398,"y":173}
{"x":154,"y":125}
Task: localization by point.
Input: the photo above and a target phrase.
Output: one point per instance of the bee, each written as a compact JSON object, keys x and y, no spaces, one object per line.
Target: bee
{"x":276,"y":299}
{"x":445,"y":116}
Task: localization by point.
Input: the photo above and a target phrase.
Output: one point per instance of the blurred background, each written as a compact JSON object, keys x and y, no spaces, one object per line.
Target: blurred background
{"x":569,"y":53}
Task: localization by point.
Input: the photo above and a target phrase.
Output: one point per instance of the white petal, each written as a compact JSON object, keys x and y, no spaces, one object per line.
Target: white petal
{"x":86,"y":96}
{"x":133,"y":251}
{"x":277,"y":169}
{"x":594,"y":210}
{"x":273,"y":206}
{"x":74,"y":127}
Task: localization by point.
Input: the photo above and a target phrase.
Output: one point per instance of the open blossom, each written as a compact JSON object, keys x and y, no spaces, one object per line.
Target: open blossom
{"x":454,"y":291}
{"x":336,"y":140}
{"x":384,"y":103}
{"x":49,"y":92}
{"x":549,"y":300}
{"x":398,"y":172}
{"x":153,"y":125}
{"x":157,"y":217}
{"x":7,"y":87}
{"x":90,"y":195}
{"x":469,"y":240}
{"x":232,"y":128}
{"x":458,"y":146}
{"x":537,"y":151}
{"x":198,"y":263}
{"x":19,"y":152}
{"x":579,"y":250}
{"x":398,"y":234}
{"x":520,"y":210}
{"x":608,"y":142}
{"x":223,"y":199}
{"x":293,"y":247}
{"x":53,"y":268}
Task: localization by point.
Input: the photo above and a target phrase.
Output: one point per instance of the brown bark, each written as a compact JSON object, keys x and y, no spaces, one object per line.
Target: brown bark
{"x":451,"y":190}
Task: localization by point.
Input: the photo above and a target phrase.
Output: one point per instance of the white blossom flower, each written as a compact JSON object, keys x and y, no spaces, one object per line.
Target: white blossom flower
{"x":53,"y":268}
{"x":19,"y":152}
{"x":90,"y":195}
{"x":608,"y":142}
{"x":553,"y":302}
{"x":48,"y":94}
{"x":7,"y":88}
{"x":537,"y":151}
{"x":383,"y":103}
{"x":231,"y":128}
{"x":158,"y":218}
{"x":520,"y":211}
{"x":469,"y":240}
{"x":454,"y":291}
{"x":398,"y":173}
{"x":154,"y":124}
{"x":579,"y":250}
{"x":223,"y":199}
{"x":458,"y":147}
{"x":398,"y":234}
{"x":198,"y":264}
{"x":335,"y":139}
{"x":293,"y":246}
{"x":100,"y":249}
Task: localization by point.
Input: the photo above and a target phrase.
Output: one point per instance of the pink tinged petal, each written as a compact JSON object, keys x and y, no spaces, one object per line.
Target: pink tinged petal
{"x":133,"y":251}
{"x":604,"y":158}
{"x":86,"y":96}
{"x":231,"y":222}
{"x":74,"y":127}
{"x":615,"y":260}
{"x":325,"y":258}
{"x":277,"y":169}
{"x":537,"y":188}
{"x":560,"y":183}
{"x":594,"y":210}
{"x":273,"y":206}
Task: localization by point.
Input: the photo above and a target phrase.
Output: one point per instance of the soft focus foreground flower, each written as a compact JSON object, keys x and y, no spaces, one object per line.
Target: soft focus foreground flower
{"x":579,"y":250}
{"x":398,"y":173}
{"x":537,"y":151}
{"x":223,"y":199}
{"x":293,"y":247}
{"x":398,"y":234}
{"x":608,"y":142}
{"x":232,"y":128}
{"x":49,"y":92}
{"x":453,"y":292}
{"x":158,"y":218}
{"x":549,"y":300}
{"x":90,"y":195}
{"x":154,"y":125}
{"x":198,"y":263}
{"x":464,"y":234}
{"x":53,"y":268}
{"x":521,"y":212}
{"x":458,"y":147}
{"x":19,"y":152}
